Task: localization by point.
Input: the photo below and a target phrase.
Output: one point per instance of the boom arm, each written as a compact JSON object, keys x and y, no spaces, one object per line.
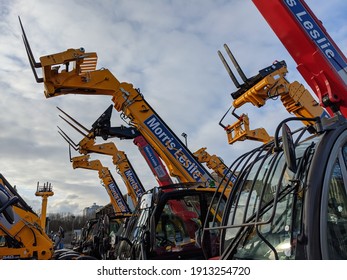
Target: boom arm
{"x":102,"y":127}
{"x":216,"y":164}
{"x":117,"y":200}
{"x":153,"y":160}
{"x":318,"y":58}
{"x":84,"y":79}
{"x":87,"y":145}
{"x":269,"y":83}
{"x":295,"y":98}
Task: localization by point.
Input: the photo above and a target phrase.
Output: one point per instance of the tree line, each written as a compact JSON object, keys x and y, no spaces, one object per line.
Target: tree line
{"x":67,"y":221}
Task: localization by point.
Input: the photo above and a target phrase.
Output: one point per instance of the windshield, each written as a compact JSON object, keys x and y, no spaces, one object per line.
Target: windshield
{"x":261,"y":215}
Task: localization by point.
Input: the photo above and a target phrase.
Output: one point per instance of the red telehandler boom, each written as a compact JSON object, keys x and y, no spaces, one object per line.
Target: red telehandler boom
{"x":319,"y":60}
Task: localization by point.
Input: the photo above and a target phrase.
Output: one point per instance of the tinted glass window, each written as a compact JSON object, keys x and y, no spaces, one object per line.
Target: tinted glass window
{"x":258,"y":189}
{"x":337,"y":213}
{"x":2,"y":241}
{"x":277,"y":234}
{"x":178,"y":225}
{"x":266,"y":208}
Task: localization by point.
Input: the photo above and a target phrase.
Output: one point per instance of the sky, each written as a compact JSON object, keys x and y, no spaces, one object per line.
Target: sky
{"x":166,"y":48}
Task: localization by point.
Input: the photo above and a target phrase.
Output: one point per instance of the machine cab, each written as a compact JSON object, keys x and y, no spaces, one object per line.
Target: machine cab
{"x":285,"y":209}
{"x":168,"y":223}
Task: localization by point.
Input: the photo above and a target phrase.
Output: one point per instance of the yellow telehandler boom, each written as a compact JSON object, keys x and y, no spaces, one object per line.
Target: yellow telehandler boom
{"x":269,"y":83}
{"x":118,"y":202}
{"x":216,"y":164}
{"x":80,"y":76}
{"x":123,"y":166}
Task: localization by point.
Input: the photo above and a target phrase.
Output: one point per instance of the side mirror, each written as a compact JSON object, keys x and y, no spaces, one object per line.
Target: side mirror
{"x":6,"y":206}
{"x":289,"y":148}
{"x":146,"y":201}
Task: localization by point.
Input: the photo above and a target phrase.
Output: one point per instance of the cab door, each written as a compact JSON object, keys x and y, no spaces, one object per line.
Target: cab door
{"x":333,"y":226}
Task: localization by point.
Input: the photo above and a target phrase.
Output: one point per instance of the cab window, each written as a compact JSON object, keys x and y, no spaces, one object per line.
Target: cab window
{"x":178,"y":225}
{"x":3,"y":242}
{"x":337,"y":210}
